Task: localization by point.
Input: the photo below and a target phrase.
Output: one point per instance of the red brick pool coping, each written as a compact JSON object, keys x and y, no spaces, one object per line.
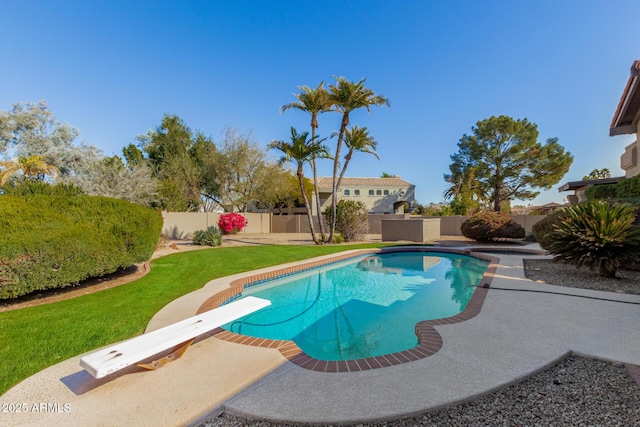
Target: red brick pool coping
{"x":429,"y":340}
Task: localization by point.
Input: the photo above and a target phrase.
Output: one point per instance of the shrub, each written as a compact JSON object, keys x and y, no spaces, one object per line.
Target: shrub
{"x":232,"y":223}
{"x":56,"y":241}
{"x":209,"y":237}
{"x":601,"y":192}
{"x":489,"y":226}
{"x":544,"y":227}
{"x":597,"y":235}
{"x":351,"y":219}
{"x":628,"y":188}
{"x":28,"y":187}
{"x":338,"y":238}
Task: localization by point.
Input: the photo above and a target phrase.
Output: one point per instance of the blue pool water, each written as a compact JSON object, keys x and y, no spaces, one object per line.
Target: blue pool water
{"x":363,"y":307}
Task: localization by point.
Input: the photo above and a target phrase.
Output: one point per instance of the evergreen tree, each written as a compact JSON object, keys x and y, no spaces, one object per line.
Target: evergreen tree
{"x":508,"y":161}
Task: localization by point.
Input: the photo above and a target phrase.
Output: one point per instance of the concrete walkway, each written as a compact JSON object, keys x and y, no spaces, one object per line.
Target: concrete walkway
{"x":516,"y":334}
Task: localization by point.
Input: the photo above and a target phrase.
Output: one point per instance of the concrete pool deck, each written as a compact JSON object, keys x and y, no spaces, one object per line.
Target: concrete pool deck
{"x":517,"y":333}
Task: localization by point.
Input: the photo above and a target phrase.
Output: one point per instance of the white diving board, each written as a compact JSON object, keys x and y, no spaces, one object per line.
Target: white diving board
{"x":116,"y":357}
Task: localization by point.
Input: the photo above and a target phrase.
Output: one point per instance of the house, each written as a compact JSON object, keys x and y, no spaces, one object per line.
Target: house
{"x":579,"y":188}
{"x":380,"y":195}
{"x":626,"y":121}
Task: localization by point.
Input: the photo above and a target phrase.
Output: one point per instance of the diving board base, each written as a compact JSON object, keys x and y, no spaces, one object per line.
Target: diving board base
{"x":175,"y":355}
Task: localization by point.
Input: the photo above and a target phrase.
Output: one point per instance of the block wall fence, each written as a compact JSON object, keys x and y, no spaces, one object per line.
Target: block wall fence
{"x":181,"y":225}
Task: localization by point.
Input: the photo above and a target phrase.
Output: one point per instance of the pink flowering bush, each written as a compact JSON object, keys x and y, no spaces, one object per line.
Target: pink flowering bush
{"x":231,"y":223}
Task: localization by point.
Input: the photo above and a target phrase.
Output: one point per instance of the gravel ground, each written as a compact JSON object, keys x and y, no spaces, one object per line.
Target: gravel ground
{"x":578,"y":391}
{"x":555,"y":273}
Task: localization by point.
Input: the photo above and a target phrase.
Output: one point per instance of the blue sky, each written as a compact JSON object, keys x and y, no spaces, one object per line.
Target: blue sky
{"x":113,"y":68}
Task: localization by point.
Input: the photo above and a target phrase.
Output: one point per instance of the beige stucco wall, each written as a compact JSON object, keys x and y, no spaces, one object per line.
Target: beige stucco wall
{"x":414,"y":230}
{"x":181,"y":225}
{"x":630,"y":159}
{"x":450,"y":225}
{"x":375,"y":221}
{"x":294,"y":224}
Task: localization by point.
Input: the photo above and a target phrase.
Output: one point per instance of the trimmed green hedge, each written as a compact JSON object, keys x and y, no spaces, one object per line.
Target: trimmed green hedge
{"x":542,"y":229}
{"x":56,"y":241}
{"x":628,"y":188}
{"x":601,"y":192}
{"x":625,"y":191}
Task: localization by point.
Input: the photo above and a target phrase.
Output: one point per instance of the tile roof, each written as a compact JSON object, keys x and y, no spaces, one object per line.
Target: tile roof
{"x":325,"y":182}
{"x":622,"y":122}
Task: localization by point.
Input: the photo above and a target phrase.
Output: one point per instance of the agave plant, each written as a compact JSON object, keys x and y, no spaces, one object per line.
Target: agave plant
{"x":597,"y":235}
{"x":209,"y":237}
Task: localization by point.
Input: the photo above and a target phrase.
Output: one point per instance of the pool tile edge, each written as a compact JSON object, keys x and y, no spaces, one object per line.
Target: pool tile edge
{"x":429,"y":340}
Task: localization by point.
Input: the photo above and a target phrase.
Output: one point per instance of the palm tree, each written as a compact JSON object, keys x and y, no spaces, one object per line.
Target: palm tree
{"x":33,"y":167}
{"x":312,"y":101}
{"x":357,"y":139}
{"x":346,"y":96}
{"x":299,"y":151}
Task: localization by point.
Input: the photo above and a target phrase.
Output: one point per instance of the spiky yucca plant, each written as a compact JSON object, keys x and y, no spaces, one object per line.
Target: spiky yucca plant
{"x":597,"y":235}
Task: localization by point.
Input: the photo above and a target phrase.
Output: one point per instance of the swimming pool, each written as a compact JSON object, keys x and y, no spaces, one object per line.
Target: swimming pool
{"x":362,"y":307}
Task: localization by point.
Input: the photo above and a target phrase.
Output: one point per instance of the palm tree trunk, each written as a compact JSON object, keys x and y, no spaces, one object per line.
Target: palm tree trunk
{"x":306,"y":204}
{"x":315,"y":181}
{"x":347,"y":159}
{"x":336,"y":163}
{"x":317,"y":196}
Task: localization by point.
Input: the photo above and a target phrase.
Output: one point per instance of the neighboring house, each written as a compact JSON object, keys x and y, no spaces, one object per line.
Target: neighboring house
{"x":380,"y":195}
{"x":579,"y":188}
{"x":626,"y":121}
{"x":545,"y":209}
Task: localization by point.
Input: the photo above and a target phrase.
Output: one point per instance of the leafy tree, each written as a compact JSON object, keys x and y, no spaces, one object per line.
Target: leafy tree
{"x":466,"y":194}
{"x":204,"y":152}
{"x":45,"y":147}
{"x":386,"y":175}
{"x":132,"y":155}
{"x":346,"y":97}
{"x":508,"y":160}
{"x":32,"y":167}
{"x":299,"y":151}
{"x":283,"y":191}
{"x":433,"y":209}
{"x":597,"y":174}
{"x":110,"y":177}
{"x":30,"y":129}
{"x":244,"y":171}
{"x":357,"y":140}
{"x":314,"y":102}
{"x":177,"y":158}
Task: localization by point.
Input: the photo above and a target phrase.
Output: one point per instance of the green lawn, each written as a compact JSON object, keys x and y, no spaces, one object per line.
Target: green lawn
{"x":37,"y":337}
